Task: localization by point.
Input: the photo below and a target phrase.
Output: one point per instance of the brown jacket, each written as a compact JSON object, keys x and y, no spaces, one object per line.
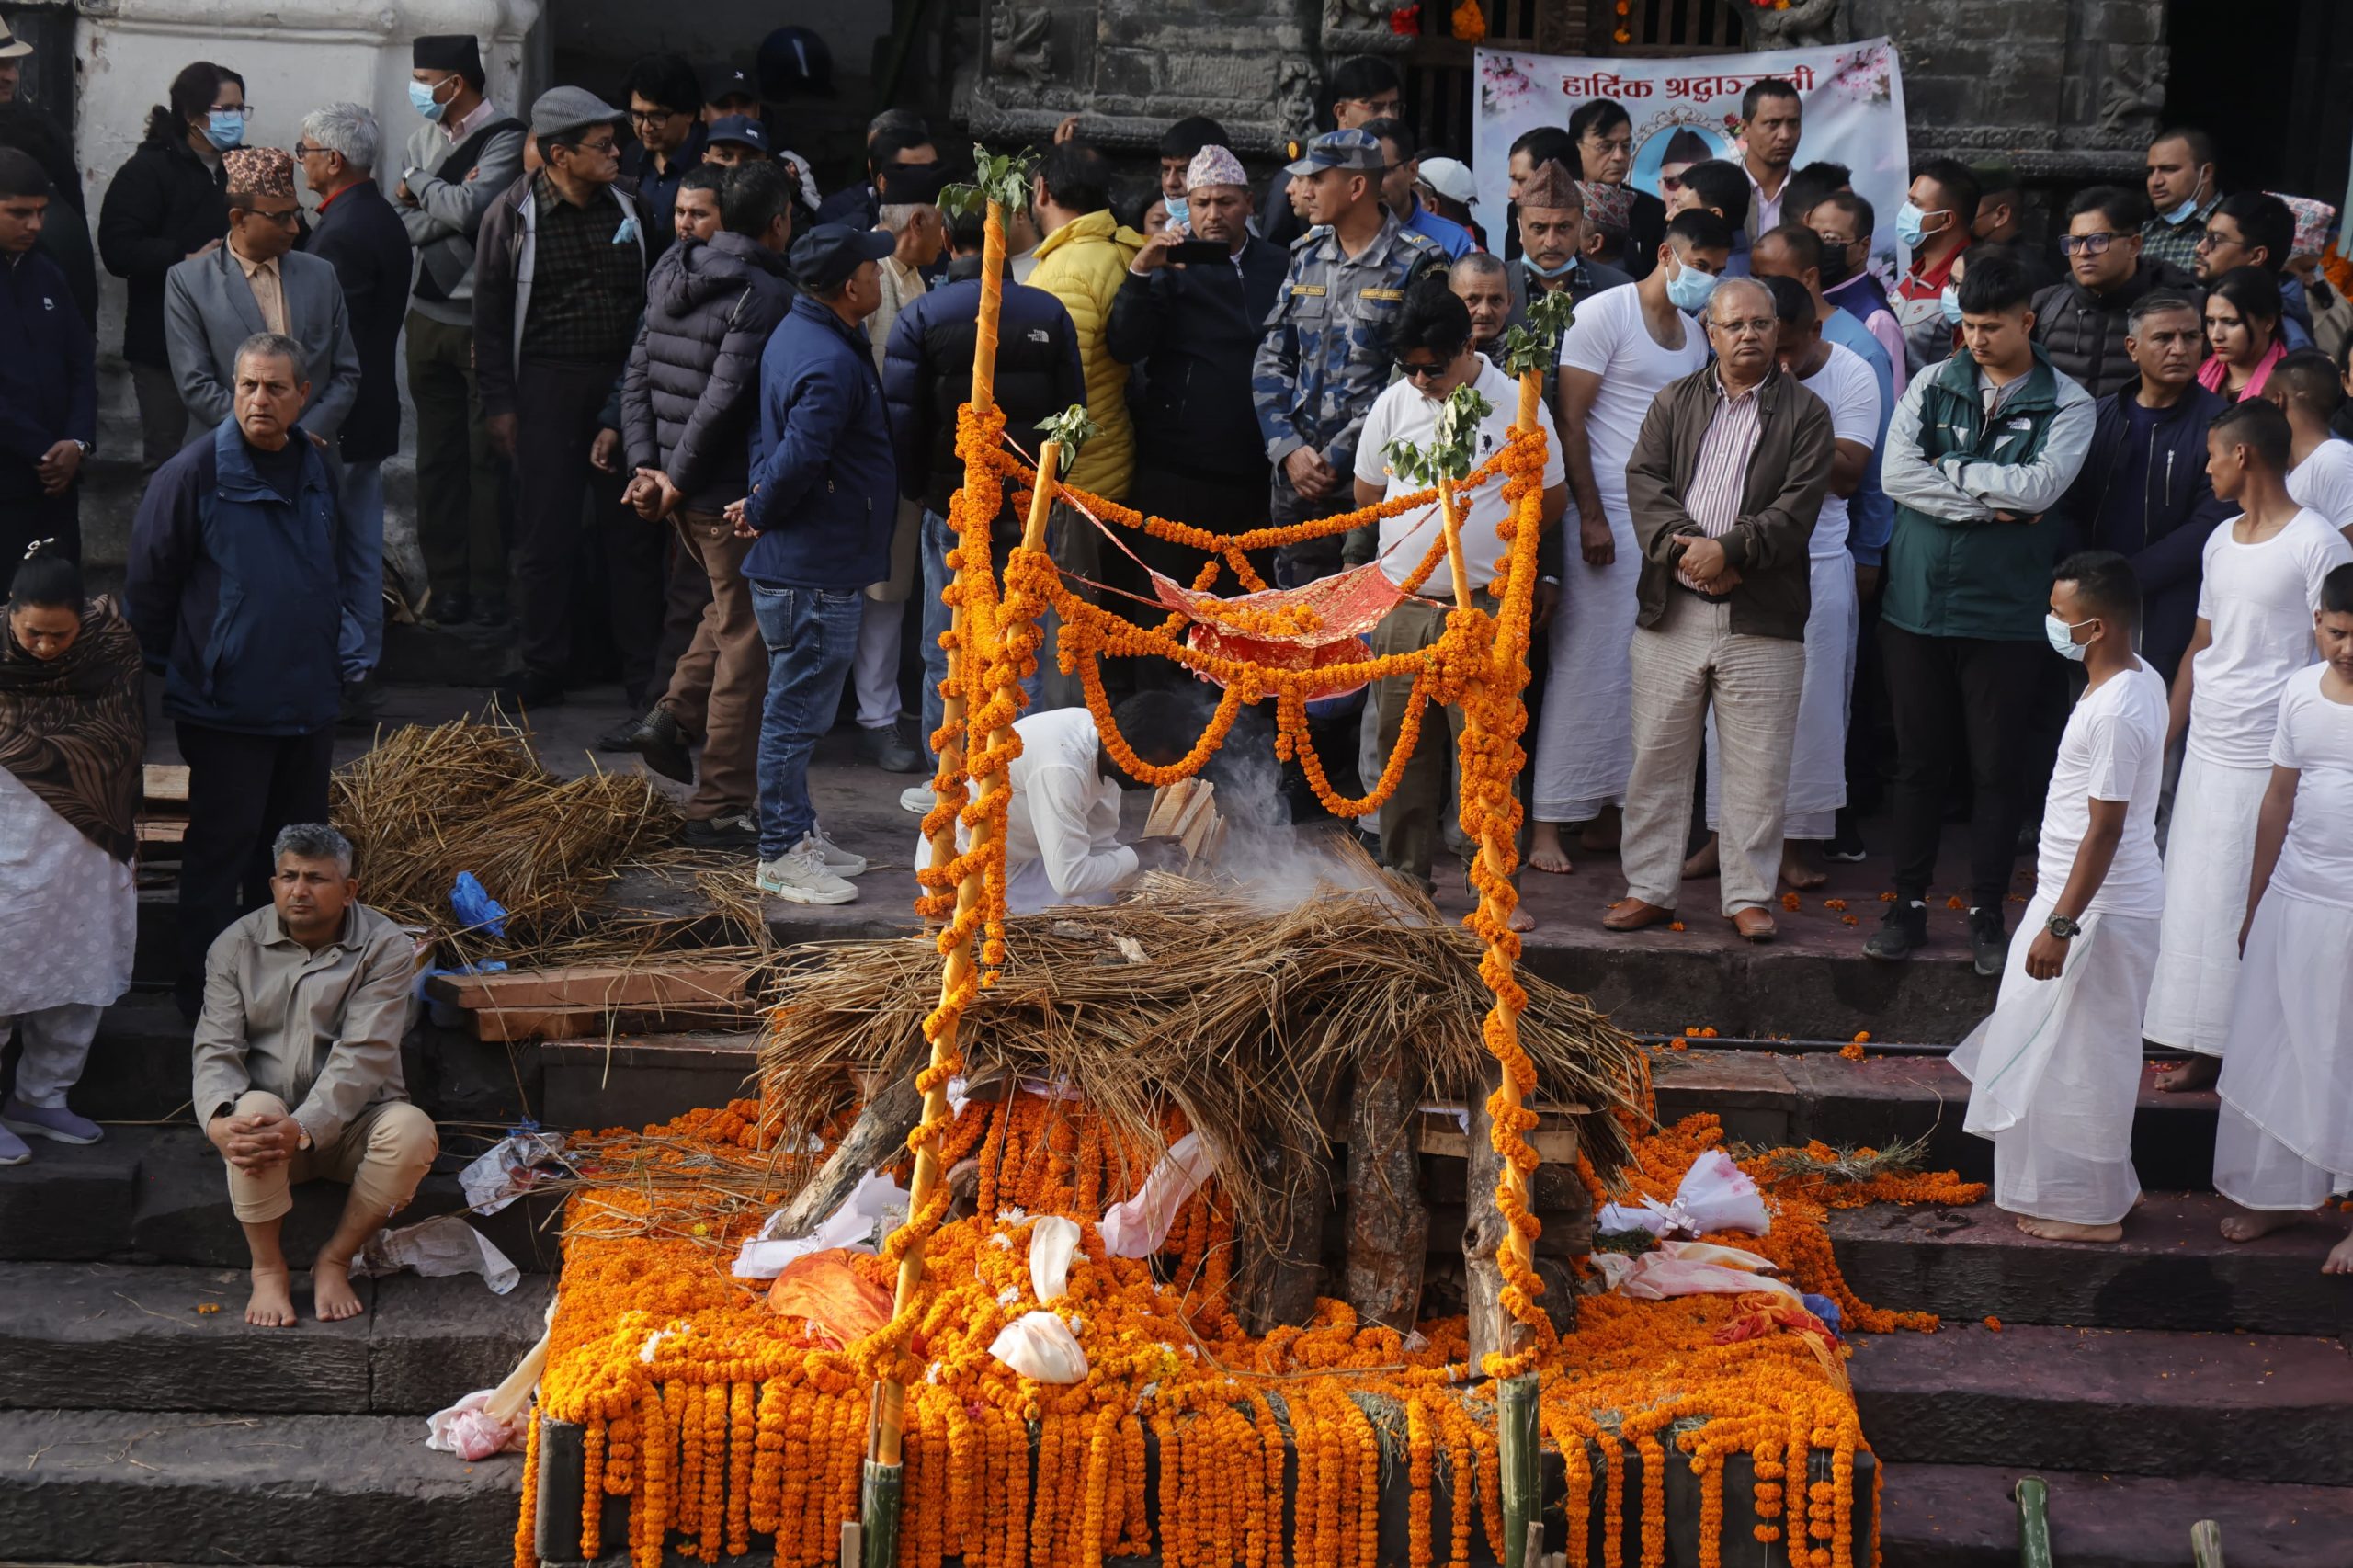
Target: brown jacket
{"x":1787,"y":477}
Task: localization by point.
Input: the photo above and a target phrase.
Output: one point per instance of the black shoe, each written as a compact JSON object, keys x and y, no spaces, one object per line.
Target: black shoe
{"x":530,"y":689}
{"x":1847,"y":843}
{"x":1902,"y":931}
{"x":449,"y":609}
{"x":884,"y":749}
{"x":739,"y":830}
{"x":619,"y":736}
{"x":663,"y":743}
{"x":1988,"y":941}
{"x":491,"y":612}
{"x":363,"y":702}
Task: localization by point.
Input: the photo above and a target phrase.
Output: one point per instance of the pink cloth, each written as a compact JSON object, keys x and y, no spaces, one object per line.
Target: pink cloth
{"x":2212,"y":374}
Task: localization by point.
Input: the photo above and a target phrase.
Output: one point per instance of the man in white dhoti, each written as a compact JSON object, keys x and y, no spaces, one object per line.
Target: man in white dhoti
{"x":2284,"y":1143}
{"x":1062,"y":831}
{"x":2261,"y":585}
{"x":2054,"y":1073}
{"x":1818,"y":758}
{"x":1627,"y":345}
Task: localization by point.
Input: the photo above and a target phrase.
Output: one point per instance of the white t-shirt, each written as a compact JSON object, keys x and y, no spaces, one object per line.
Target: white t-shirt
{"x":1062,"y":830}
{"x":1849,"y":389}
{"x":1403,"y":414}
{"x":1611,"y":339}
{"x":2259,"y":599}
{"x":2324,"y":483}
{"x":2114,"y":750}
{"x":2316,"y":737}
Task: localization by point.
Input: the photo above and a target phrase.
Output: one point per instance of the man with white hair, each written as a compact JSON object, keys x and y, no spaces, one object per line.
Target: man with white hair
{"x":357,"y":229}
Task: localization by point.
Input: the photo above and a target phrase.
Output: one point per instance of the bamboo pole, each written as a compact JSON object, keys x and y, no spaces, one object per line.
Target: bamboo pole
{"x":2033,"y":1497}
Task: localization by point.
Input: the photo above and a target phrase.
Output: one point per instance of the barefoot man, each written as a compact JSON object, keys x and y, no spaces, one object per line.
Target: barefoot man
{"x":2054,"y":1071}
{"x":305,"y":1005}
{"x":2284,"y":1143}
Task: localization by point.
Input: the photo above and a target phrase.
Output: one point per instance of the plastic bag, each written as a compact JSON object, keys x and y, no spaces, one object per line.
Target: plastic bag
{"x":1052,"y":1240}
{"x":435,"y":1248}
{"x":1689,"y":1268}
{"x":509,"y":1169}
{"x":1040,"y":1346}
{"x":475,"y":909}
{"x":1137,"y":1227}
{"x":877,"y":1199}
{"x":1714,"y":1195}
{"x":471,"y":1432}
{"x":839,"y":1306}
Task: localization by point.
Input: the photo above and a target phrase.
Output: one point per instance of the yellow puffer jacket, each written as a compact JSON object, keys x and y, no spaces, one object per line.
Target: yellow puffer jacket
{"x":1082,"y":264}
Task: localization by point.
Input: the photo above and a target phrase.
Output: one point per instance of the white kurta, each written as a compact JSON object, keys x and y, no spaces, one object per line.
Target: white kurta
{"x":72,"y":911}
{"x":2209,"y":856}
{"x":1061,"y":836}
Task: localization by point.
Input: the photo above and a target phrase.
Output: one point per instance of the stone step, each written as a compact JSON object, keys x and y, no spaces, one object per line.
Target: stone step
{"x":110,"y":1336}
{"x":1777,"y":1098}
{"x":2172,"y":1270}
{"x":160,"y":1195}
{"x":107,"y":1486}
{"x":1942,"y":1516}
{"x":2136,"y":1403}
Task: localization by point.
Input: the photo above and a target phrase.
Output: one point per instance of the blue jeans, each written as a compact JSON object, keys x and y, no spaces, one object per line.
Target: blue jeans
{"x":938,"y":541}
{"x":360,"y":496}
{"x":810,"y":634}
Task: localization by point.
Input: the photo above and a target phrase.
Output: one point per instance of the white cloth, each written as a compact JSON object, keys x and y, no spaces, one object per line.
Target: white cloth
{"x":874,"y":664}
{"x":2323,"y":482}
{"x":1818,"y":756}
{"x":2209,"y":856}
{"x":2114,"y":749}
{"x":2054,"y":1071}
{"x":72,"y":910}
{"x":55,"y":1043}
{"x":2316,"y":737}
{"x":1403,"y":414}
{"x":1849,"y":389}
{"x":1061,"y":835}
{"x":1611,"y":339}
{"x":2285,"y":1139}
{"x":2258,"y":599}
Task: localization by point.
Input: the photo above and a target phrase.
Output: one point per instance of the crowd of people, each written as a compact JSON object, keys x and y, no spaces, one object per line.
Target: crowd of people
{"x":1814,"y":534}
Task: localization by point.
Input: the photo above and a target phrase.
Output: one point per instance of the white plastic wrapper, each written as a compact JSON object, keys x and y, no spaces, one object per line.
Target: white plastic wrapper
{"x":508,"y":1170}
{"x":876,"y":1204}
{"x":1053,"y":1241}
{"x":443,"y":1245}
{"x":1689,"y":1268}
{"x":1040,"y":1348}
{"x":1713,"y":1196}
{"x":1137,"y":1227}
{"x":467,"y":1430}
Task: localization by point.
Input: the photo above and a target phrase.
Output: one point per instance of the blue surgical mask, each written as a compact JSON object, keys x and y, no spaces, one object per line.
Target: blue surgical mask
{"x":225,"y":128}
{"x":2062,"y":636}
{"x":1560,"y":271}
{"x":2188,"y":205}
{"x":1910,"y":225}
{"x":1177,"y":209}
{"x":1950,"y":302}
{"x":420,"y":98}
{"x":1689,"y":289}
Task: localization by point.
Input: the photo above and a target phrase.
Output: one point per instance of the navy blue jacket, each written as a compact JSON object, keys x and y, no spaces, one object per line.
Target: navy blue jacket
{"x":49,"y":382}
{"x":825,"y":487}
{"x":237,"y":593}
{"x":360,"y":233}
{"x":1195,"y":330}
{"x":2155,"y":515}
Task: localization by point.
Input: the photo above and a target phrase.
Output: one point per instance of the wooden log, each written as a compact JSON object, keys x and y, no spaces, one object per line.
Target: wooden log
{"x":1282,"y":1269}
{"x":595,"y":987}
{"x":1483,"y":1232}
{"x":1388,"y":1222}
{"x":877,"y":1137}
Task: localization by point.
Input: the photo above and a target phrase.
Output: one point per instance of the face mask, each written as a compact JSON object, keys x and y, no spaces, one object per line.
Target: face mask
{"x":225,"y":129}
{"x":2062,"y":636}
{"x":1835,"y":269}
{"x":1910,"y":225}
{"x":1689,"y":289}
{"x":1560,"y":271}
{"x":420,"y":98}
{"x":1950,"y":302}
{"x":2188,"y":205}
{"x":1176,"y":210}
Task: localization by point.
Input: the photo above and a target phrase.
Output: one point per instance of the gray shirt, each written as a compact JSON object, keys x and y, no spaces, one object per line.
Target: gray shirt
{"x":448,"y":211}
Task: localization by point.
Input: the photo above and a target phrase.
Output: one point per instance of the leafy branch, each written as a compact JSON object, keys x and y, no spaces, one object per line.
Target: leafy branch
{"x":1453,"y":449}
{"x":1001,"y":177}
{"x":1069,"y":430}
{"x":1537,"y":345}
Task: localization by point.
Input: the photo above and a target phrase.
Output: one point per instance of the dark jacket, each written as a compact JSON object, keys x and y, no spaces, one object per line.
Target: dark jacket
{"x":824,"y":493}
{"x":2084,"y":332}
{"x":360,"y":233}
{"x":237,"y":593}
{"x":1195,"y":331}
{"x":66,"y":236}
{"x":927,"y":376}
{"x":2155,"y":512}
{"x":503,"y":247}
{"x":1787,"y":475}
{"x":857,"y":205}
{"x":657,"y":188}
{"x":162,"y":205}
{"x":694,"y":378}
{"x":49,"y":384}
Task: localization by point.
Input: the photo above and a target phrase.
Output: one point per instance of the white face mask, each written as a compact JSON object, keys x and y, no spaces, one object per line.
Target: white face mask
{"x":2062,"y":636}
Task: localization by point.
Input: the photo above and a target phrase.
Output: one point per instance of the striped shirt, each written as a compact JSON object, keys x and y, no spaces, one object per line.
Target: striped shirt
{"x":1719,"y":477}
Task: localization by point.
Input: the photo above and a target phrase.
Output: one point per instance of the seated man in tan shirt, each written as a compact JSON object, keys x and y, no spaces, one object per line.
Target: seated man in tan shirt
{"x":305,"y":1005}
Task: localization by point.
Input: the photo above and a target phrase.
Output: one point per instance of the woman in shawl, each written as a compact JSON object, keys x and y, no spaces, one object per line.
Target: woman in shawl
{"x":72,"y":731}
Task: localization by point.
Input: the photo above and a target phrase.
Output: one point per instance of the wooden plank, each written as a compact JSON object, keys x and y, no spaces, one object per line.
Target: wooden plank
{"x":163,"y":832}
{"x":164,"y":784}
{"x":596,"y":986}
{"x":504,"y":1024}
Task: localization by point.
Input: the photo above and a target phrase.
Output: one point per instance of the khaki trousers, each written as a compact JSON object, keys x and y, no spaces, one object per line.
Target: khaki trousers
{"x":1412,"y":820}
{"x":721,"y":679}
{"x":381,"y":1156}
{"x":1690,"y":660}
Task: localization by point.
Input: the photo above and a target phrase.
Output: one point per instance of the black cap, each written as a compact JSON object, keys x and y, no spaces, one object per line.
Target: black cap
{"x":905,"y":185}
{"x":739,"y":128}
{"x":727,"y":81}
{"x":455,"y":52}
{"x":831,"y":252}
{"x":795,"y":63}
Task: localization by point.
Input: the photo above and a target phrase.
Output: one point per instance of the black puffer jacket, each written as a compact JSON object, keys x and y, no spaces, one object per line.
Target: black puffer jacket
{"x":164,"y":205}
{"x":692,"y":388}
{"x":2084,"y":332}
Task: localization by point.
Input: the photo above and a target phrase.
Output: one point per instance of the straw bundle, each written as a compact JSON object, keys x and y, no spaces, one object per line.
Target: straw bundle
{"x":1197,"y":997}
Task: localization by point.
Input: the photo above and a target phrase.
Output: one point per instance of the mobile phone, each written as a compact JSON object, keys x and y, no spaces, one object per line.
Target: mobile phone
{"x":1189,"y":253}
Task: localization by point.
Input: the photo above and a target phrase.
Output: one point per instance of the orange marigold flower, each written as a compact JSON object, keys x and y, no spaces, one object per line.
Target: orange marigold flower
{"x":1994,"y":1324}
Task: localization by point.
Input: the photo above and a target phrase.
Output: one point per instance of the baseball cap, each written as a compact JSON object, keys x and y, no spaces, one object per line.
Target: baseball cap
{"x":740,"y":128}
{"x":831,"y":252}
{"x":1340,"y":150}
{"x":722,"y":81}
{"x":1450,"y":177}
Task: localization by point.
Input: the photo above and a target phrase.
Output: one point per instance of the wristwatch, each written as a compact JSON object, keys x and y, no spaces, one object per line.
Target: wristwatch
{"x":2064,"y":928}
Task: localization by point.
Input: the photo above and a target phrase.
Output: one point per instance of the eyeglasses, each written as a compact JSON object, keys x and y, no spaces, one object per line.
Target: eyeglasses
{"x":1418,"y":373}
{"x":1833,"y":242}
{"x":2086,"y":245}
{"x":600,"y":148}
{"x":290,"y":218}
{"x":304,"y":150}
{"x":653,"y":116}
{"x":1753,"y":326}
{"x":2213,"y":240}
{"x":243,"y":112}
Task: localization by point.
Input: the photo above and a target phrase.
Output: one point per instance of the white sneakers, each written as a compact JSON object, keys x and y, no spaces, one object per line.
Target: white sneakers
{"x":813,"y":871}
{"x":917,"y":799}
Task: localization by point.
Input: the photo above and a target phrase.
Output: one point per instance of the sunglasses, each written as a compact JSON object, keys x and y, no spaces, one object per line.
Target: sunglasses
{"x":1418,"y":373}
{"x":1669,"y":184}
